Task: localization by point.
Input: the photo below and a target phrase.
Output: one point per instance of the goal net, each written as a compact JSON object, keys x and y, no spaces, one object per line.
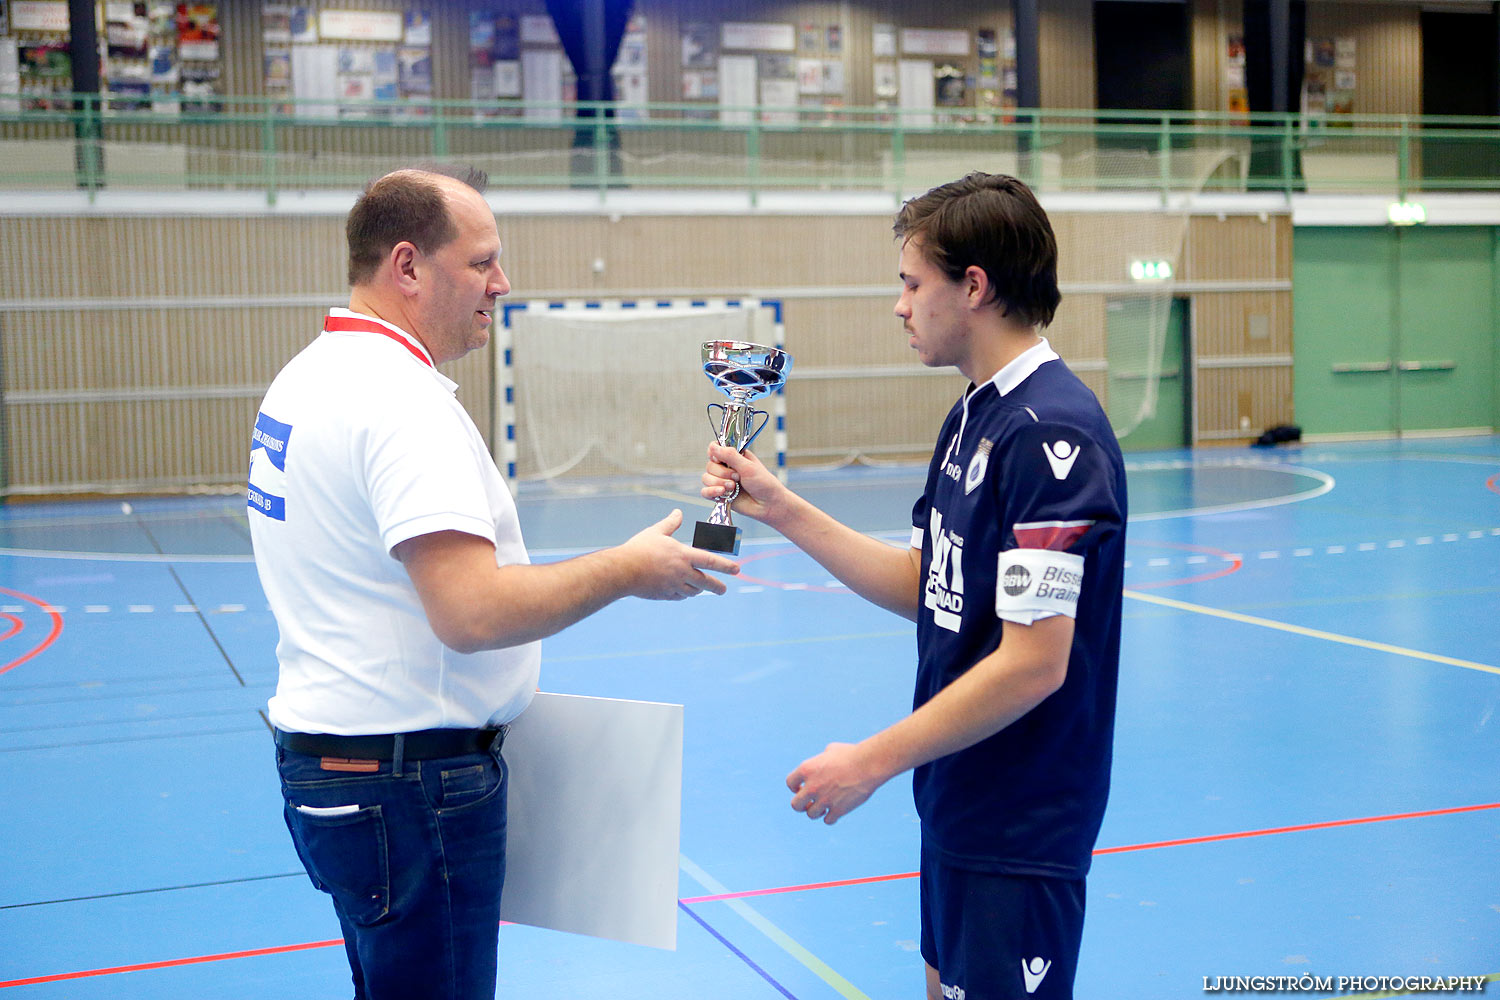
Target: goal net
{"x":615,"y":390}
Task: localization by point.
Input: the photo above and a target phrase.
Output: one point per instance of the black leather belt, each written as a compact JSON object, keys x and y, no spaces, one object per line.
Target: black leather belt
{"x":425,"y":744}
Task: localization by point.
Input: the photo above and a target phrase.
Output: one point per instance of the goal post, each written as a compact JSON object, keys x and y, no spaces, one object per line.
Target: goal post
{"x":613,"y":389}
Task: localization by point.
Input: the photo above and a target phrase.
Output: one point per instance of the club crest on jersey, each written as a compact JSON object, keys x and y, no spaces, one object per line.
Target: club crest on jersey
{"x":977,"y":465}
{"x":1061,"y":455}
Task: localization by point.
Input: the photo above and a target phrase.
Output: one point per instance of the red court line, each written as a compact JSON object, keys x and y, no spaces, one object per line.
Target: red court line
{"x":1213,"y":838}
{"x":1235,"y":564}
{"x":782,"y":584}
{"x":57,"y":627}
{"x":1301,"y":828}
{"x":15,"y":626}
{"x":1493,"y":483}
{"x":173,"y":963}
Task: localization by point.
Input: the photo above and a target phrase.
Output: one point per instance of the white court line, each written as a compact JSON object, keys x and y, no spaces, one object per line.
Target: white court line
{"x":1312,"y":633}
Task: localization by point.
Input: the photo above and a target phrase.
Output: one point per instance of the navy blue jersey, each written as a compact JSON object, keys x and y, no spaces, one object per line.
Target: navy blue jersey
{"x":1023,"y":517}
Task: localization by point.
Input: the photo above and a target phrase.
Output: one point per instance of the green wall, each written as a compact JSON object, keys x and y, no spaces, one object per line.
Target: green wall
{"x":1394,"y":330}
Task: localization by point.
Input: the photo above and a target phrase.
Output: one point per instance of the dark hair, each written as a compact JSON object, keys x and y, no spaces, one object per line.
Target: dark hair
{"x":993,"y":222}
{"x":403,"y":205}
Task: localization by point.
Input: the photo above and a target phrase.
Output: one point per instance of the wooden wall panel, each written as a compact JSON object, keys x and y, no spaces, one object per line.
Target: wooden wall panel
{"x":1241,"y":326}
{"x":1238,"y":248}
{"x":1067,"y":54}
{"x":1238,"y":403}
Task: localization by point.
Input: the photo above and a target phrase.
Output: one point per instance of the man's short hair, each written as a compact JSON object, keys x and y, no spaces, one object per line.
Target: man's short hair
{"x":993,"y":222}
{"x":404,"y":205}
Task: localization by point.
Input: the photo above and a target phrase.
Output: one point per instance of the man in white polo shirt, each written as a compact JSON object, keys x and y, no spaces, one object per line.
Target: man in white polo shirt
{"x":410,"y":618}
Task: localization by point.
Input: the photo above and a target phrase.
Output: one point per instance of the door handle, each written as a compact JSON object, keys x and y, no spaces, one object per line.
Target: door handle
{"x":1427,"y":366}
{"x":1360,"y":367}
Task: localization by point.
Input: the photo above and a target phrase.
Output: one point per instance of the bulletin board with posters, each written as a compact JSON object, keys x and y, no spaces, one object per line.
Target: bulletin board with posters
{"x":154,"y":55}
{"x":1329,"y":76}
{"x":518,"y":56}
{"x":820,"y":69}
{"x":157,"y":51}
{"x":34,"y":57}
{"x":347,"y":63}
{"x":965,"y":76}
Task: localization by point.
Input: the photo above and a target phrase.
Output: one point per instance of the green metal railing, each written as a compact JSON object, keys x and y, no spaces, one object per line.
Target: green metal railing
{"x":91,"y":142}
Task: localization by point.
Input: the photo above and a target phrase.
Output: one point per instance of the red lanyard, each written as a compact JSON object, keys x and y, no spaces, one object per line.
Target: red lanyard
{"x":349,"y":324}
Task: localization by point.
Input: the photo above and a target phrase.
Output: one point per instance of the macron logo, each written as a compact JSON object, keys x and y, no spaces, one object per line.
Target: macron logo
{"x":1061,"y":455}
{"x":1034,"y":970}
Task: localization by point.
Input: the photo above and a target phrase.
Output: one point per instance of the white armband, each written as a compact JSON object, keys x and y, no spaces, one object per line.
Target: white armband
{"x":1037,"y":583}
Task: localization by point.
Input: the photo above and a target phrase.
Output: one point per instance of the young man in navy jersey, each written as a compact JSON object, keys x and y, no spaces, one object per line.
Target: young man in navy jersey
{"x":1014,"y":578}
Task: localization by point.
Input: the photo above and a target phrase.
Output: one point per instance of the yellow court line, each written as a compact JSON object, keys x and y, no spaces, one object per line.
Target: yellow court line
{"x":782,"y":939}
{"x":1313,"y":633}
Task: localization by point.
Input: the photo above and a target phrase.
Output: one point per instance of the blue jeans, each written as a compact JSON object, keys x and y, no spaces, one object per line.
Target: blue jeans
{"x":414,"y":858}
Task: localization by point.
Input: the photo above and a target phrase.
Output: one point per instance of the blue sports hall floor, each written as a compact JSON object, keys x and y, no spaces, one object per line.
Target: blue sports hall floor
{"x":1307,"y":767}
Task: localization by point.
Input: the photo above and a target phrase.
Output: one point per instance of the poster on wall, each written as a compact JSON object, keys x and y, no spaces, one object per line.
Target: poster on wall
{"x":885,"y":83}
{"x":949,"y":86}
{"x":700,"y":49}
{"x":1236,"y":94}
{"x":315,"y":75}
{"x":304,"y":26}
{"x":538,"y":29}
{"x":198,"y":31}
{"x":542,"y":83}
{"x":737,"y":88}
{"x":1327,"y":87}
{"x":414,"y":71}
{"x":630,"y":69}
{"x":758,"y":36}
{"x":883,"y":41}
{"x":276,"y":24}
{"x":10,"y":74}
{"x":934,"y":42}
{"x":917,"y":92}
{"x":39,"y":15}
{"x":418,"y":30}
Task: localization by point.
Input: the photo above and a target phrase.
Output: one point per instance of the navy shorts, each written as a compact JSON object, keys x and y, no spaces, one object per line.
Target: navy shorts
{"x":1000,"y":937}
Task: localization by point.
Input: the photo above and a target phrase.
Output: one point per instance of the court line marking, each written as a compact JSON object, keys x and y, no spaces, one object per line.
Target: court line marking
{"x":1313,"y":633}
{"x":1325,"y":484}
{"x":736,"y":952}
{"x":721,"y":893}
{"x":1213,"y":838}
{"x":57,"y":627}
{"x":172,"y":963}
{"x":811,"y":962}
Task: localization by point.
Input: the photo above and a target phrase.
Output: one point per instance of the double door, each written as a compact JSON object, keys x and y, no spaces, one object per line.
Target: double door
{"x":1394,"y":332}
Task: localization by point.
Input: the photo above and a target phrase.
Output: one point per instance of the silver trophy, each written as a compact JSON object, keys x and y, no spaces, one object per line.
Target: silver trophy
{"x":742,"y":372}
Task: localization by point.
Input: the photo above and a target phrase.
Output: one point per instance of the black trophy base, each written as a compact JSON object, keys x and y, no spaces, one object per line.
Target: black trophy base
{"x":717,"y":538}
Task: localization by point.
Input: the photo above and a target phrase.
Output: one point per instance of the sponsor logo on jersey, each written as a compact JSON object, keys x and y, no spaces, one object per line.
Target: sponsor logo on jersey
{"x":950,"y":467}
{"x":977,"y":465}
{"x":1034,"y":970}
{"x":1016,"y":580}
{"x":952,"y":992}
{"x":1061,"y":455}
{"x":944,"y":592}
{"x":268,"y":447}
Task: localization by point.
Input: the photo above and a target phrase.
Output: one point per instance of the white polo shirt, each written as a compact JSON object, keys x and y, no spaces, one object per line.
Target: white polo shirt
{"x":359,"y":445}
